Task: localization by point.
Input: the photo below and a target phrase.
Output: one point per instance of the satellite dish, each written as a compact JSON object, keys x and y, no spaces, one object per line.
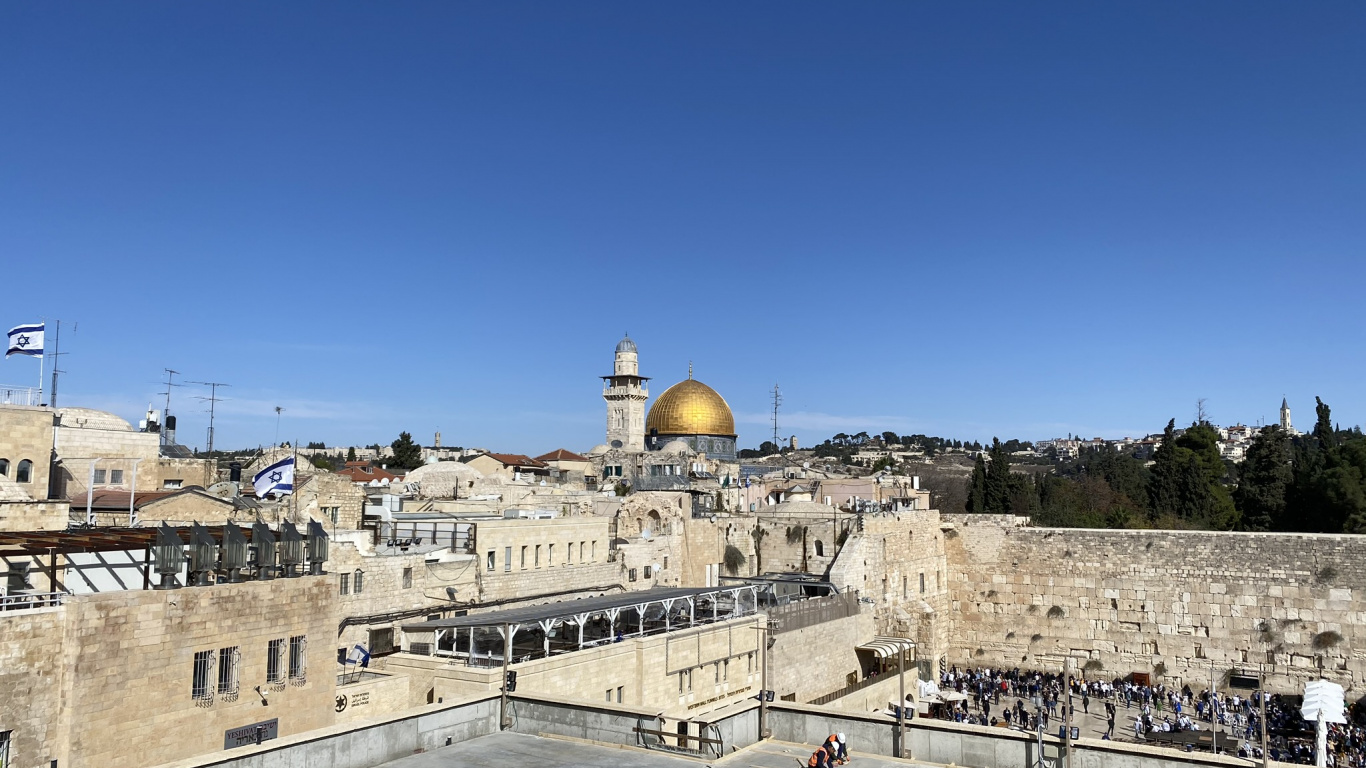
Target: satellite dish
{"x":806,"y":465}
{"x":645,"y":534}
{"x":224,"y":490}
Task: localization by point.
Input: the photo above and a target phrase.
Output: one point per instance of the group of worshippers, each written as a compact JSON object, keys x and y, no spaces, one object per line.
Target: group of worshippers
{"x":1160,"y":709}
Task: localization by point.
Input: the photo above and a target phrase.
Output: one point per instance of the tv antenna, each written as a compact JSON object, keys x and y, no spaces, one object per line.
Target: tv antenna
{"x":166,"y":413}
{"x":212,"y":400}
{"x":278,"y":410}
{"x":777,"y":401}
{"x":56,"y":353}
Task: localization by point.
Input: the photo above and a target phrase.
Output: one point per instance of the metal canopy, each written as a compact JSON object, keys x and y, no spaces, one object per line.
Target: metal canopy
{"x":885,"y":647}
{"x":536,"y":614}
{"x":91,"y":539}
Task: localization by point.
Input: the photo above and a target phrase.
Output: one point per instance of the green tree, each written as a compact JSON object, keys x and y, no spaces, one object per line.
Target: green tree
{"x":998,"y":479}
{"x":407,"y":454}
{"x":1263,"y":479}
{"x":1164,"y":483}
{"x":977,"y":486}
{"x":351,"y":453}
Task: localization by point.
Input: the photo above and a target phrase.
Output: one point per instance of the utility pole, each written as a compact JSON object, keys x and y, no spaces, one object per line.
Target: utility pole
{"x":1213,"y":686}
{"x":901,"y":704}
{"x":56,"y":353}
{"x":278,"y":411}
{"x":503,"y":722}
{"x":212,"y":400}
{"x":1067,"y":710}
{"x":1261,"y":695}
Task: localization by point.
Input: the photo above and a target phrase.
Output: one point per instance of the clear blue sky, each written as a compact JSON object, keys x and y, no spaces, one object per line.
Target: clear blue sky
{"x":1014,"y":219}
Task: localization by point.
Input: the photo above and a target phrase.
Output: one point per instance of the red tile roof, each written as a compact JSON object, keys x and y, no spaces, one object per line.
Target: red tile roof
{"x":362,"y":472}
{"x":514,"y":460}
{"x":561,"y":454}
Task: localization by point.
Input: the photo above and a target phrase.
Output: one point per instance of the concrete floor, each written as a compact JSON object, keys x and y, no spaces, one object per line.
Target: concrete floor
{"x":516,"y":750}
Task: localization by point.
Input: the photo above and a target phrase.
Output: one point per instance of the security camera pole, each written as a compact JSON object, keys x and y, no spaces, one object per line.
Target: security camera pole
{"x":503,"y":723}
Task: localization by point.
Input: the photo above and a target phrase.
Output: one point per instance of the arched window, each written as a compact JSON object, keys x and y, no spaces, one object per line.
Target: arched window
{"x":4,"y":467}
{"x":820,"y":548}
{"x":25,"y":472}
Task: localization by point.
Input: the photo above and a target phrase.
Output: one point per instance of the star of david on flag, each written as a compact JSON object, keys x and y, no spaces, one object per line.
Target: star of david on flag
{"x":278,"y":479}
{"x":26,"y":340}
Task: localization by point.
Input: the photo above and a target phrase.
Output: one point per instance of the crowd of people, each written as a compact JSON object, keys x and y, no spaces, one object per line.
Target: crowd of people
{"x":1235,"y":718}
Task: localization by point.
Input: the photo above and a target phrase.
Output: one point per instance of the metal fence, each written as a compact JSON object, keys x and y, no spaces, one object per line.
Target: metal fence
{"x":20,"y":395}
{"x":817,"y":610}
{"x":19,"y":601}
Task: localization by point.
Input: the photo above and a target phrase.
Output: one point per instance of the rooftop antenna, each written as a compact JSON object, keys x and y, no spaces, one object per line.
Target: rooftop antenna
{"x":170,"y":376}
{"x":56,"y":353}
{"x":777,"y":401}
{"x":278,"y":411}
{"x":212,"y":399}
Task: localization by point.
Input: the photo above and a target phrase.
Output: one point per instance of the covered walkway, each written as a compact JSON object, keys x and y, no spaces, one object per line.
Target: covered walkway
{"x":551,"y":629}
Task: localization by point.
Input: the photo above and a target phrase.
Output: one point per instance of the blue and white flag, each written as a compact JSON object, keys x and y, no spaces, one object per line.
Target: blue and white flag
{"x":26,"y":340}
{"x":358,"y":655}
{"x":278,"y":479}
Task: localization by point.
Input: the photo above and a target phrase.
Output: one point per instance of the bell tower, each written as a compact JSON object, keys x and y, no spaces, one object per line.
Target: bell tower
{"x":626,"y":392}
{"x":1285,"y":417}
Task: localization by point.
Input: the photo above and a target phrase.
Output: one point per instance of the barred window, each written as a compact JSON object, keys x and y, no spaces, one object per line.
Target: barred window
{"x":358,"y":581}
{"x":201,"y":687}
{"x":275,"y":661}
{"x":228,"y":662}
{"x":4,"y":748}
{"x":298,"y":660}
{"x":116,"y":476}
{"x":346,"y":583}
{"x":407,"y":578}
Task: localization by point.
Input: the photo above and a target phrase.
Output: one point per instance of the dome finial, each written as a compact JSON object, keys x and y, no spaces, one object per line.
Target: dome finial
{"x":690,"y":369}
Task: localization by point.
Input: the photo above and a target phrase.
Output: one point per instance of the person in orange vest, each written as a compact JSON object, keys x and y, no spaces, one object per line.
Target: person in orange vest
{"x":819,"y":759}
{"x":841,"y":749}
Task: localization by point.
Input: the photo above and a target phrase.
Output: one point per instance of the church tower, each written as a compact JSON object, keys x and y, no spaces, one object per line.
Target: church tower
{"x":1285,"y":418}
{"x":626,"y":392}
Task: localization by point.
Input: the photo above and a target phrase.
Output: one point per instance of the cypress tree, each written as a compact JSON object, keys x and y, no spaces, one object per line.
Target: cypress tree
{"x":1263,"y":479}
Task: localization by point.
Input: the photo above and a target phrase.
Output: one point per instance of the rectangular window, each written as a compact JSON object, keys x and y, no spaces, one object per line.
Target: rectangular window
{"x":681,"y":684}
{"x":631,"y":575}
{"x":507,"y":559}
{"x":716,"y":673}
{"x":99,"y":476}
{"x":359,"y":580}
{"x":690,"y":681}
{"x":275,"y":661}
{"x":336,"y":513}
{"x":922,"y":582}
{"x":593,"y":552}
{"x":621,"y":693}
{"x":492,"y":562}
{"x":550,"y":555}
{"x":608,"y":698}
{"x":538,"y":555}
{"x":1199,"y":651}
{"x":201,"y":687}
{"x":407,"y":578}
{"x":569,"y":553}
{"x":171,"y":485}
{"x":228,"y":659}
{"x":116,"y":476}
{"x":725,"y":669}
{"x":645,"y":572}
{"x":582,"y":549}
{"x":298,"y":660}
{"x":346,"y":583}
{"x":4,"y":749}
{"x":381,"y":641}
{"x":905,"y":590}
{"x":524,"y":558}
{"x":666,"y":562}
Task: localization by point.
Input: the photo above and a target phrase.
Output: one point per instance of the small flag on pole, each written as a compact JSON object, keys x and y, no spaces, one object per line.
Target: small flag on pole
{"x":26,"y":340}
{"x":358,"y":655}
{"x":278,"y":479}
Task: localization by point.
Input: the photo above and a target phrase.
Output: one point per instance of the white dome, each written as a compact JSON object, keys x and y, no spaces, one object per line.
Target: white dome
{"x":599,"y":450}
{"x":88,"y":418}
{"x":440,"y":480}
{"x":677,"y":446}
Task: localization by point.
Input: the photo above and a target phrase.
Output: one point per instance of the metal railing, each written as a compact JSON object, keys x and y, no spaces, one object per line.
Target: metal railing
{"x":20,"y":395}
{"x":20,"y":601}
{"x":845,"y":691}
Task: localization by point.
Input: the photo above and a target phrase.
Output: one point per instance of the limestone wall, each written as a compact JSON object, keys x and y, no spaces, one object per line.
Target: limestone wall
{"x":34,"y":515}
{"x":811,"y":662}
{"x":532,"y":557}
{"x":371,"y":697}
{"x":1179,"y":601}
{"x":32,"y":676}
{"x":26,"y":435}
{"x":392,"y":586}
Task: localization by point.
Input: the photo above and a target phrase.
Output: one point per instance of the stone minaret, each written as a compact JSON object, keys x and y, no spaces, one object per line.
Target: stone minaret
{"x":626,"y":392}
{"x":1285,"y":418}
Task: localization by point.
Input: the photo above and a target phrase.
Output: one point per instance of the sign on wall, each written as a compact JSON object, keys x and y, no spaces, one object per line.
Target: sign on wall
{"x":251,"y":734}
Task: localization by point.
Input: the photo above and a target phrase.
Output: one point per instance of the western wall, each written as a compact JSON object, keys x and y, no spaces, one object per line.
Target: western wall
{"x":1180,"y":605}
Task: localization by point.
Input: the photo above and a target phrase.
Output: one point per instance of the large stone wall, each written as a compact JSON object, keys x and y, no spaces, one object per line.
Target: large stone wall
{"x":26,"y":435}
{"x":1181,"y":602}
{"x":813,"y":661}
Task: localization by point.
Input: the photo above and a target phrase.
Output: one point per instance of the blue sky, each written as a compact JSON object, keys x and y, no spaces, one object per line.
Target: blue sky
{"x":1014,"y":219}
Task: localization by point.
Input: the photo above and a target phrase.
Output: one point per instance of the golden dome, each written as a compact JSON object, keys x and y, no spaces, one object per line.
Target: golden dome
{"x":690,"y":408}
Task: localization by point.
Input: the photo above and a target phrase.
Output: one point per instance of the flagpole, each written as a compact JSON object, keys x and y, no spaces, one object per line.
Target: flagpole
{"x":42,"y":359}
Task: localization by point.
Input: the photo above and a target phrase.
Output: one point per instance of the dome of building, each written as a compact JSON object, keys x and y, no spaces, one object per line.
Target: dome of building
{"x":88,"y":418}
{"x":690,"y":408}
{"x":626,"y":345}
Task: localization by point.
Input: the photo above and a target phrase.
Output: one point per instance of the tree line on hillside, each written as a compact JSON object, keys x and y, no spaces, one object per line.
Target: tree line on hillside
{"x":1314,"y":482}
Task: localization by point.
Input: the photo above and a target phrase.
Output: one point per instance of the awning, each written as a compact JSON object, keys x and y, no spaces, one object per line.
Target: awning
{"x":884,"y":647}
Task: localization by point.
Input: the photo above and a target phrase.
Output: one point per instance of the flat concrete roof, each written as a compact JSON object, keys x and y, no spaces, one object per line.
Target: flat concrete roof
{"x":517,"y":750}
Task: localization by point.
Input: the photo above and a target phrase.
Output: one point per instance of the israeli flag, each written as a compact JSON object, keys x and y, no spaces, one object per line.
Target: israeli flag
{"x":26,"y":340}
{"x":358,"y":655}
{"x":278,"y":479}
